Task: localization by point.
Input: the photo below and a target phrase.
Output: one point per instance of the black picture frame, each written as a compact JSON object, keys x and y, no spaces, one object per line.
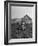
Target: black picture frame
{"x":6,"y":19}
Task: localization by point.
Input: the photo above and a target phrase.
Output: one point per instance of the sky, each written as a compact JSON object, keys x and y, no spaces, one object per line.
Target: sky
{"x":19,"y":12}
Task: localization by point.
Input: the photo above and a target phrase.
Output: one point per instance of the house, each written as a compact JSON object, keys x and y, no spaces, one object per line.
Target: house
{"x":27,"y":19}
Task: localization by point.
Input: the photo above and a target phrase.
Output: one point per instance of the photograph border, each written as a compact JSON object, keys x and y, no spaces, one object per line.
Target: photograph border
{"x":6,"y":19}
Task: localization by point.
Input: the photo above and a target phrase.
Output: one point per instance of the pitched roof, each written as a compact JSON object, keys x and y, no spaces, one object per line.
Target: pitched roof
{"x":27,"y":17}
